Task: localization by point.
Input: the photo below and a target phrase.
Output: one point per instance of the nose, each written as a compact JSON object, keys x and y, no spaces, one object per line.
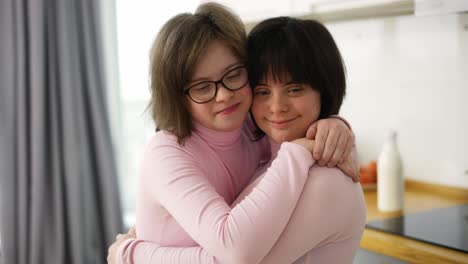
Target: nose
{"x":279,"y":104}
{"x":223,"y":93}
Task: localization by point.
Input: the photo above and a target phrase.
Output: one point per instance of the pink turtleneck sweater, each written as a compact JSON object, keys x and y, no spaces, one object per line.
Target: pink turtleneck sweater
{"x":326,"y":225}
{"x":185,"y":192}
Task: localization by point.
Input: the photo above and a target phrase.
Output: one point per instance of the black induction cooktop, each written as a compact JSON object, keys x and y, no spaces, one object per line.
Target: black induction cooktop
{"x":446,"y":227}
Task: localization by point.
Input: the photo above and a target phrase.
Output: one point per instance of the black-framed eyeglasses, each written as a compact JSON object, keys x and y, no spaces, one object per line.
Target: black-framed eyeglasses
{"x":205,"y":91}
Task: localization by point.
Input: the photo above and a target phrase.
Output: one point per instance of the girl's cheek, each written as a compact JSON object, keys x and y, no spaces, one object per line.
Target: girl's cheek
{"x":247,"y":91}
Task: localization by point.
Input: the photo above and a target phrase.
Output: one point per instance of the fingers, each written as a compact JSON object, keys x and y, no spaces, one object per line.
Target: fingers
{"x":333,"y":141}
{"x":131,"y":234}
{"x":312,"y":130}
{"x":306,"y":143}
{"x":347,"y":149}
{"x":339,"y":151}
{"x":357,"y":175}
{"x":354,"y":167}
{"x":349,"y":170}
{"x":132,"y":231}
{"x":353,"y":160}
{"x":320,"y":140}
{"x":349,"y":146}
{"x":330,"y":147}
{"x":119,"y":239}
{"x":309,"y":145}
{"x":346,"y":169}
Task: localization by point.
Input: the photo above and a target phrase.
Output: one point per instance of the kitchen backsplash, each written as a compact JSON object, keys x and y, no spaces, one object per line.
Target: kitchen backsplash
{"x":410,"y":74}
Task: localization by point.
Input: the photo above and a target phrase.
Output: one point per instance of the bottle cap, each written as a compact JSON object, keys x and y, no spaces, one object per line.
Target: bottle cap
{"x":391,"y":135}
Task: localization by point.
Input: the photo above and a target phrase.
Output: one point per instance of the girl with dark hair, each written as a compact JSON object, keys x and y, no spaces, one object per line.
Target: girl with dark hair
{"x":204,"y":157}
{"x":297,"y":77}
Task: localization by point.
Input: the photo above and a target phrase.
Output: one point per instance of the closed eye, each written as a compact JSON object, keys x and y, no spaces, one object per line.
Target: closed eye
{"x":261,"y":92}
{"x":294,"y":90}
{"x":201,"y":88}
{"x":233,"y":76}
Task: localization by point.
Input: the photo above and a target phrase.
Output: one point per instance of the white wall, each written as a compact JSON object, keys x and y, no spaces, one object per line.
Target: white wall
{"x":411,"y":74}
{"x":254,"y":11}
{"x":407,"y":73}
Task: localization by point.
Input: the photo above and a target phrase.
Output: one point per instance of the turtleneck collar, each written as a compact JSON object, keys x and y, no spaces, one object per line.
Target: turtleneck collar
{"x":217,"y":139}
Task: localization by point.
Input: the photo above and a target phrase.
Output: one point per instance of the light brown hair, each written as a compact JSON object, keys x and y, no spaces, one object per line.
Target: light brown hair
{"x":174,"y":54}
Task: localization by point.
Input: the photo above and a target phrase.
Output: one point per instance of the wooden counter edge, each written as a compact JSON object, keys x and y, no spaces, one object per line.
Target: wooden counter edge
{"x":437,"y":189}
{"x":409,"y":250}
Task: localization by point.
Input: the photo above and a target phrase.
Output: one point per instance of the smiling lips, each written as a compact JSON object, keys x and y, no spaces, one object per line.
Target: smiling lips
{"x":230,"y":109}
{"x":280,"y":123}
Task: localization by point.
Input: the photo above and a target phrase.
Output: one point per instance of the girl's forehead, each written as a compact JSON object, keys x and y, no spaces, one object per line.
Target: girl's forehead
{"x":216,"y":58}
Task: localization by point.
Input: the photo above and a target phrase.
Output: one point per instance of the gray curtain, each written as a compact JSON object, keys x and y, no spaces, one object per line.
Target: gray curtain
{"x":59,"y":200}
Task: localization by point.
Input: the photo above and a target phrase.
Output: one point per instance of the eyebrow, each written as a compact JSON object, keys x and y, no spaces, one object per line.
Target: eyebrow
{"x":226,"y":69}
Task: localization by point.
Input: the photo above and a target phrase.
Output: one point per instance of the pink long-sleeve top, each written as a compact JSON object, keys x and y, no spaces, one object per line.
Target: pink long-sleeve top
{"x":326,"y":225}
{"x":184,"y":196}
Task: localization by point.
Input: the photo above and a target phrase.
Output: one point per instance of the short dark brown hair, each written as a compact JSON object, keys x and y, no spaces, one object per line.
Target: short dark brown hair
{"x":303,"y":50}
{"x":174,"y":54}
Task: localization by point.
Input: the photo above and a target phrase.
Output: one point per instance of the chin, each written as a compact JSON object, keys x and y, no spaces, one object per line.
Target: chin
{"x":231,"y":126}
{"x":280,"y":138}
{"x":285,"y":137}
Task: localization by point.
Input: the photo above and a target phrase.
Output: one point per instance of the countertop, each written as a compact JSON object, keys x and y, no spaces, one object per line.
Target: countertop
{"x":419,"y":197}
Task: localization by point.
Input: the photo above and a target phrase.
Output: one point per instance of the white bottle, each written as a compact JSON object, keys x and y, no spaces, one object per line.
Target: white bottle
{"x":390,"y":185}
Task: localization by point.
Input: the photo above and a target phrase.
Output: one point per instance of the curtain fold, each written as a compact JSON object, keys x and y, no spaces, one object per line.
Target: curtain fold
{"x":59,"y":200}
